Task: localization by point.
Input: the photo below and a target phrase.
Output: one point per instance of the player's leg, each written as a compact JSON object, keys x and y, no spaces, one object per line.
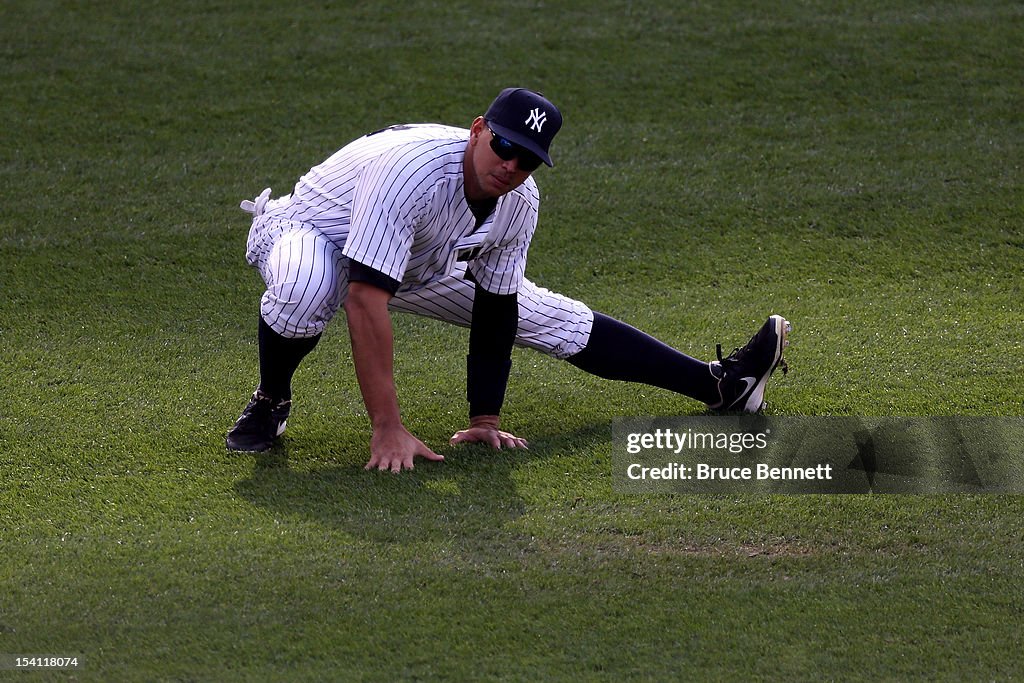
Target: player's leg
{"x":596,"y":343}
{"x":565,"y":328}
{"x":616,"y":350}
{"x":306,"y":277}
{"x":609,"y":348}
{"x":306,"y":282}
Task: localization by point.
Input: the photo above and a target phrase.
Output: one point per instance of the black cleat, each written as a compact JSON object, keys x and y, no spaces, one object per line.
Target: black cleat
{"x":743,"y":374}
{"x":262,"y":421}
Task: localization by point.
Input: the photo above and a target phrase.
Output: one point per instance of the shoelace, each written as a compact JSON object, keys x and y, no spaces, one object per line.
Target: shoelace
{"x":737,"y":355}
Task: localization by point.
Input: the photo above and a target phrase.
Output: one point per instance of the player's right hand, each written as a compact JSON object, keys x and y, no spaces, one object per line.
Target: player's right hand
{"x":394,"y":449}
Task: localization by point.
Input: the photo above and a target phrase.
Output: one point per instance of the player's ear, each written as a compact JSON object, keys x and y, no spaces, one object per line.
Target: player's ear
{"x":477,"y":127}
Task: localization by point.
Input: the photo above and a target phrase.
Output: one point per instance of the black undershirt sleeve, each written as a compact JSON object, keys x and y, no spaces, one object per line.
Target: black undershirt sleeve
{"x":492,"y":334}
{"x":358,"y":272}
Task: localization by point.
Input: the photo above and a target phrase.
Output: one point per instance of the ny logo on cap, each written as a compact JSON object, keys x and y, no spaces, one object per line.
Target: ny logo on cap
{"x":536,"y":119}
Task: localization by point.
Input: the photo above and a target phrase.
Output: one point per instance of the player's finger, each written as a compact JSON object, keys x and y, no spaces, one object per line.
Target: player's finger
{"x":511,"y":440}
{"x":429,"y":454}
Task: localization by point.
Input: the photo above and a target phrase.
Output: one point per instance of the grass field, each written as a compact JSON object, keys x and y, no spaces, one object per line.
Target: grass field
{"x":855,"y":166}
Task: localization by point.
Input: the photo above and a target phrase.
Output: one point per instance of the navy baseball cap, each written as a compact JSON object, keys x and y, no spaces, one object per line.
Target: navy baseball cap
{"x":526,"y":118}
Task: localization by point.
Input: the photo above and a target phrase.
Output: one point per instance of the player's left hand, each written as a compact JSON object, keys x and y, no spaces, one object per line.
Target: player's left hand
{"x":484,"y":429}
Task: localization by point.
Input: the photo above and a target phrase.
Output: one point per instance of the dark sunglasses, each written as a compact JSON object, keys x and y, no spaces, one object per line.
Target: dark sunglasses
{"x":508,"y":150}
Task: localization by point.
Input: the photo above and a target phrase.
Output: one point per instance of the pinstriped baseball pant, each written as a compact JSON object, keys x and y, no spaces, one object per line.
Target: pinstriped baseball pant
{"x":307,"y":282}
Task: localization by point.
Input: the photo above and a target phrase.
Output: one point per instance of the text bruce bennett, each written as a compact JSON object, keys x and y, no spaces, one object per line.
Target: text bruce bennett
{"x":705,"y":472}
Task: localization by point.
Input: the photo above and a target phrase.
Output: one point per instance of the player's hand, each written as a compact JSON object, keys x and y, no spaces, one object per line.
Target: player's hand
{"x":484,"y":429}
{"x":394,"y":449}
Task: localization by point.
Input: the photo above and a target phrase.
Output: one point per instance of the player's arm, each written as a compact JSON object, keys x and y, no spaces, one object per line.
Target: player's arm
{"x":386,"y":206}
{"x":392,"y":446}
{"x":491,"y":337}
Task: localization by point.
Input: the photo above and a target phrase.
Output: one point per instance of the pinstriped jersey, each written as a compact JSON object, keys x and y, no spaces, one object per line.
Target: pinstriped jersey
{"x":395,"y":201}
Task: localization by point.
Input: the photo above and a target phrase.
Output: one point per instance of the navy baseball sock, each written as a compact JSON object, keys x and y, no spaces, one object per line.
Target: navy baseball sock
{"x":622,"y":352}
{"x":279,"y":358}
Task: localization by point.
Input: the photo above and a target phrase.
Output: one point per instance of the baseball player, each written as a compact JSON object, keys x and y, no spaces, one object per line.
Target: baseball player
{"x":437,"y":221}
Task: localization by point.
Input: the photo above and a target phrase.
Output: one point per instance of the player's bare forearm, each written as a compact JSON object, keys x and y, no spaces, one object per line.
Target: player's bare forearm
{"x":369,"y":325}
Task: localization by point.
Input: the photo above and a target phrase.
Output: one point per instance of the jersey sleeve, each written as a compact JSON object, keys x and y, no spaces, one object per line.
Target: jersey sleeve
{"x":391,"y":197}
{"x":501,"y":268}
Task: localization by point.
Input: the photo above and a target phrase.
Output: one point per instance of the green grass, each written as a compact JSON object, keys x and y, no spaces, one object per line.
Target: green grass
{"x":854,"y":166}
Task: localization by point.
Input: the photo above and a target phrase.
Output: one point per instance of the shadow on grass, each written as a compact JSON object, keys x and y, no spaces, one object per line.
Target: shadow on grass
{"x":472,"y":493}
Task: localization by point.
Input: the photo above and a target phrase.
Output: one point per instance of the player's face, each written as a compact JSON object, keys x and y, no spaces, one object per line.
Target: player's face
{"x":487,"y":174}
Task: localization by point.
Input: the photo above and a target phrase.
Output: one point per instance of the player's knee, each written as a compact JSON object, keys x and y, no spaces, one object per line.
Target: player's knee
{"x":553,"y":324}
{"x":296,"y":312}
